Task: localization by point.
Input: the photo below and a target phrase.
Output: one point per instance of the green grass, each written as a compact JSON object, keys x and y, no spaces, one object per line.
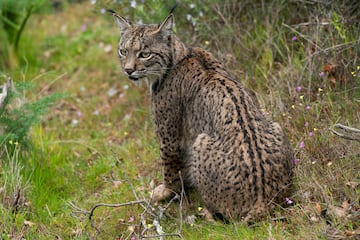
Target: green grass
{"x":97,"y":144}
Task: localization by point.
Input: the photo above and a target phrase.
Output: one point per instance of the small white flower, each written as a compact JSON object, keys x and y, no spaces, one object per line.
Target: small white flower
{"x":107,"y":48}
{"x":188,"y":17}
{"x":93,"y":1}
{"x":133,"y":4}
{"x":127,"y":118}
{"x":111,"y":92}
{"x":74,"y":122}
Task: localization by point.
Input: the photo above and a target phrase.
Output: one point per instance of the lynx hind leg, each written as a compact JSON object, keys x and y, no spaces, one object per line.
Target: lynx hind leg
{"x":207,"y":172}
{"x":258,"y":211}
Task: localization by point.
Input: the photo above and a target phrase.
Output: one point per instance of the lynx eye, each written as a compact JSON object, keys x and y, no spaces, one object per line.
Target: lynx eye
{"x":145,"y":55}
{"x":123,"y":52}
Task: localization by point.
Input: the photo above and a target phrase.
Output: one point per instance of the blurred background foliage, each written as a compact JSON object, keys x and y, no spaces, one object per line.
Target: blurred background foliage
{"x":13,"y":19}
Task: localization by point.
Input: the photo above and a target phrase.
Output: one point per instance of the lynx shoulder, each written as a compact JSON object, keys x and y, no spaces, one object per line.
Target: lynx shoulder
{"x":209,"y":126}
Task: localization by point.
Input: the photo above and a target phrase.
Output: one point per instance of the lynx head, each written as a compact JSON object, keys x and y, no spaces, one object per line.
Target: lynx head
{"x":145,"y":51}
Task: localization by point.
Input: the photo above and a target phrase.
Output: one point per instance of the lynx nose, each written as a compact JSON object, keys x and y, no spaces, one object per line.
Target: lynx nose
{"x":129,"y":71}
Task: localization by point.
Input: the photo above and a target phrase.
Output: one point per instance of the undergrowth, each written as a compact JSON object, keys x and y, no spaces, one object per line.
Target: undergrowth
{"x":98,"y":144}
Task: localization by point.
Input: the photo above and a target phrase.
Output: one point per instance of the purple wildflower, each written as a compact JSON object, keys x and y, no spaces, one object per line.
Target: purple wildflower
{"x":131,"y":219}
{"x":294,"y":38}
{"x":311,"y":134}
{"x":302,"y":144}
{"x":289,"y":201}
{"x":83,"y":27}
{"x":307,"y":107}
{"x":321,"y":74}
{"x":298,"y":88}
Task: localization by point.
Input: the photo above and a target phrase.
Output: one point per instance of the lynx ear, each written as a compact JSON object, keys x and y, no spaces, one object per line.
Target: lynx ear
{"x":122,"y":23}
{"x":166,"y":26}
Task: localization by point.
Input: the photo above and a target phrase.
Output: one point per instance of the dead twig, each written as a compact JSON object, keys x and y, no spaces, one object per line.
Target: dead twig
{"x":159,"y":214}
{"x":182,"y":195}
{"x":15,"y":204}
{"x":305,"y":24}
{"x":164,"y":235}
{"x":150,"y":214}
{"x":78,"y":209}
{"x":347,"y":132}
{"x":91,"y":213}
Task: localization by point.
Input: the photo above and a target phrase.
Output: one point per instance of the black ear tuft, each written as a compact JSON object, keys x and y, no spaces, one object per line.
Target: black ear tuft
{"x":111,"y":11}
{"x":166,"y":26}
{"x":174,"y":8}
{"x":121,"y":22}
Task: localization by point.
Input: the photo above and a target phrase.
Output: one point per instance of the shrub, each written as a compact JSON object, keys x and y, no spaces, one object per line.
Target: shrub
{"x":17,"y":114}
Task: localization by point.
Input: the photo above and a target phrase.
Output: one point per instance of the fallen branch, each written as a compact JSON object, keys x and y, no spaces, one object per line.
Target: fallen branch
{"x":151,"y":214}
{"x":77,"y":209}
{"x":164,"y":235}
{"x":181,"y":202}
{"x":161,"y":211}
{"x":91,"y":213}
{"x":347,"y":132}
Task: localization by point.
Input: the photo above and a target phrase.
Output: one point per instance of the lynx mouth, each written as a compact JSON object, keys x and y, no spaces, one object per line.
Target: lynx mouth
{"x":136,"y":78}
{"x":133,"y":78}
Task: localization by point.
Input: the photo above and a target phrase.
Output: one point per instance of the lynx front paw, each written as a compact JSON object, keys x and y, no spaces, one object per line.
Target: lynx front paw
{"x":206,"y":214}
{"x":161,"y":193}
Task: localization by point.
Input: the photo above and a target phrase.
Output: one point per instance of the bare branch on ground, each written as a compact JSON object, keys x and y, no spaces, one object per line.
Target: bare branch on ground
{"x":151,"y":214}
{"x":346,"y":132}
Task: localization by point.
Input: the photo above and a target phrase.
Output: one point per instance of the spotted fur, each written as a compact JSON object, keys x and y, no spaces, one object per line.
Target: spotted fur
{"x":208,"y":125}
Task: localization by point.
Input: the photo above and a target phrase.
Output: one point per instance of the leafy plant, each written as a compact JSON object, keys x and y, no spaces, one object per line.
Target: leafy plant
{"x":17,"y":114}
